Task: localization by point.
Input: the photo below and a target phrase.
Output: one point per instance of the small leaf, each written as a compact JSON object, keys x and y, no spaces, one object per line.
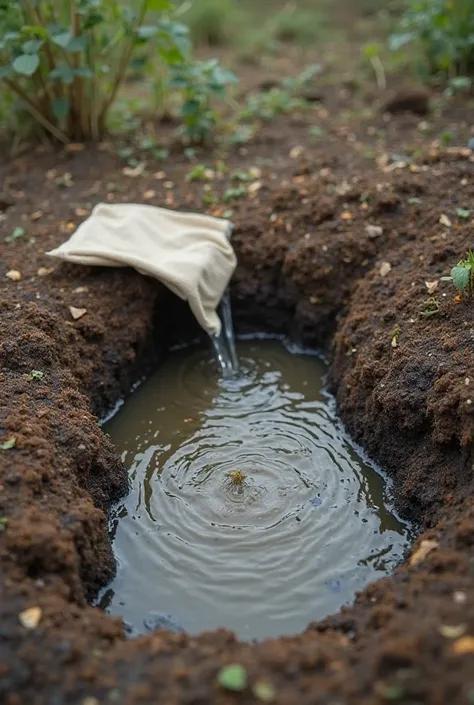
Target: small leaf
{"x":147,"y":31}
{"x":36,"y":374}
{"x":264,"y":691}
{"x":15,"y":235}
{"x":77,"y":313}
{"x":14,"y":275}
{"x":60,"y":108}
{"x":426,"y":546}
{"x":431,"y":286}
{"x":83,"y":72}
{"x":463,"y":212}
{"x":385,"y":268}
{"x":26,"y":64}
{"x":3,"y":524}
{"x":30,"y":618}
{"x":8,"y":444}
{"x":450,"y":631}
{"x":63,"y":73}
{"x":77,"y":44}
{"x":460,"y":276}
{"x":62,"y":39}
{"x":5,"y":71}
{"x":464,"y":645}
{"x":233,"y":677}
{"x":32,"y":46}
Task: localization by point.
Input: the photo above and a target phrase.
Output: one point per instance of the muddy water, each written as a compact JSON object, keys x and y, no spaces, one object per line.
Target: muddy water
{"x":303,"y":527}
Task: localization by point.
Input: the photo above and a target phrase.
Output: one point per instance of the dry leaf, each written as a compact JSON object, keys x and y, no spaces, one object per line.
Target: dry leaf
{"x":256,"y":186}
{"x":385,"y":268}
{"x":30,"y":618}
{"x":255,"y":172}
{"x":74,"y":147}
{"x":432,"y":286}
{"x":134,"y":172}
{"x":149,"y":194}
{"x":77,"y":313}
{"x":346,"y":215}
{"x":444,"y":220}
{"x":36,"y":215}
{"x":420,"y":554}
{"x":296,"y":152}
{"x":452,"y":631}
{"x":44,"y":271}
{"x":81,"y":212}
{"x":14,"y":275}
{"x":464,"y":645}
{"x":159,"y":175}
{"x":81,"y":290}
{"x":373,"y":230}
{"x":395,"y":341}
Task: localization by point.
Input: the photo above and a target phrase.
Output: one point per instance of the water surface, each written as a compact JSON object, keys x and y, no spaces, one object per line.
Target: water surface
{"x":308,"y":526}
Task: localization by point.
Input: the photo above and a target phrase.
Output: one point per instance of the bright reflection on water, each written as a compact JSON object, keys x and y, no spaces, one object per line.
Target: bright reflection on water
{"x":308,"y":526}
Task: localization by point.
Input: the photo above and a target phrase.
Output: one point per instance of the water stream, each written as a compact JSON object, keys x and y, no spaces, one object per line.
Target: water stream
{"x":224,"y":343}
{"x":249,"y":507}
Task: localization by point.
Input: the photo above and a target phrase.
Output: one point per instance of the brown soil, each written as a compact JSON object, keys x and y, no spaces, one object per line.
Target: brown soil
{"x":309,"y":266}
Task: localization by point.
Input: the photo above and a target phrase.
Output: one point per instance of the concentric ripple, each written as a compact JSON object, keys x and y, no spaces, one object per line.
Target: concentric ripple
{"x":304,"y":528}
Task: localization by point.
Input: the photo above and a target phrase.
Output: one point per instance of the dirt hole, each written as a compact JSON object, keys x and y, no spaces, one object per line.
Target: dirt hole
{"x":249,"y":507}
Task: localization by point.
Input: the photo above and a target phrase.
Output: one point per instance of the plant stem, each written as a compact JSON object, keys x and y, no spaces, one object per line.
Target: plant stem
{"x":35,"y":111}
{"x":379,"y":72}
{"x":124,"y":62}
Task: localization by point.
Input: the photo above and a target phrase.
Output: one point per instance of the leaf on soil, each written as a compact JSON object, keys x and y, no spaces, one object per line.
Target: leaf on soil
{"x":148,"y":195}
{"x":233,"y":677}
{"x":461,"y":277}
{"x":44,"y":271}
{"x":464,"y":645}
{"x":296,"y":152}
{"x":81,"y":212}
{"x":36,"y":216}
{"x":14,"y":275}
{"x":346,"y":215}
{"x":385,"y":268}
{"x":77,"y":313}
{"x":3,"y":524}
{"x":432,"y":286}
{"x":15,"y":234}
{"x":30,"y":618}
{"x":8,"y":444}
{"x":373,"y":231}
{"x":36,"y":374}
{"x":264,"y":691}
{"x":134,"y":172}
{"x":256,"y":186}
{"x":444,"y":220}
{"x":452,"y":631}
{"x":75,"y":147}
{"x":395,"y":341}
{"x":463,"y":212}
{"x":426,"y":546}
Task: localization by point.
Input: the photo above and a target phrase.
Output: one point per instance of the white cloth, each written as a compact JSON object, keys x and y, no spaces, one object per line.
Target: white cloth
{"x":190,"y":253}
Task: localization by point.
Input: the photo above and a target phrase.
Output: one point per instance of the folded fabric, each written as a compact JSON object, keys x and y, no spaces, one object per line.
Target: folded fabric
{"x":190,"y":253}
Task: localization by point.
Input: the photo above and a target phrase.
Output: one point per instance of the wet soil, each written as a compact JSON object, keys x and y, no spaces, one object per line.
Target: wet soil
{"x":335,"y":245}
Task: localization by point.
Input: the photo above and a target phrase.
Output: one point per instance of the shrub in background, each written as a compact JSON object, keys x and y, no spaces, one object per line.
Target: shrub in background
{"x":65,"y":62}
{"x":442,"y":34}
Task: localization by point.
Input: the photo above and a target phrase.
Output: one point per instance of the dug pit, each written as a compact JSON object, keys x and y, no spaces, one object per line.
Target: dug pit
{"x":249,"y":507}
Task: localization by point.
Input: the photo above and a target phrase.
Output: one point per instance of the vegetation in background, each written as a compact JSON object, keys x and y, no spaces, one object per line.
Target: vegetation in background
{"x":64,"y":64}
{"x":442,"y":35}
{"x":212,"y":22}
{"x":296,"y":25}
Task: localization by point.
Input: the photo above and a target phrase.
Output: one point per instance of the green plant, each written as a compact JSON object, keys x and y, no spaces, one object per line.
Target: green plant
{"x":442,"y":34}
{"x":36,"y":374}
{"x":200,"y":83}
{"x":16,"y":234}
{"x":233,"y":677}
{"x":372,"y":53}
{"x":462,"y":275}
{"x":211,"y":22}
{"x":65,"y":62}
{"x":430,"y":307}
{"x":295,"y":25}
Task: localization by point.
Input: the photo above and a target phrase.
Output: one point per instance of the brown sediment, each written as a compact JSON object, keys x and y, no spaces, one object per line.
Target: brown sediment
{"x":312,"y":266}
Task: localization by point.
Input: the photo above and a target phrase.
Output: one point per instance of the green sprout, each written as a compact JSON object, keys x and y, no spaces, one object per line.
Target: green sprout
{"x":462,"y":275}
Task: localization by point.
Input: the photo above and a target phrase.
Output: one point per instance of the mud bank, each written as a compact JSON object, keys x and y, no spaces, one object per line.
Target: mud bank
{"x":312,"y":268}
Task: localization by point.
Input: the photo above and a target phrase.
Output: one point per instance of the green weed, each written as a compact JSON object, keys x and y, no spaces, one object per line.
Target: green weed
{"x":212,"y":22}
{"x":462,"y":275}
{"x":442,"y":34}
